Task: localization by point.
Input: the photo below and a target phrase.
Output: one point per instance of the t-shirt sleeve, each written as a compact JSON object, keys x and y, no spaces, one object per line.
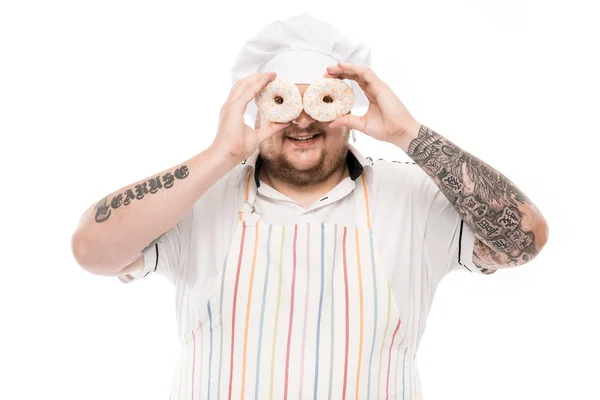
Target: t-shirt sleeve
{"x":448,"y":239}
{"x":172,"y":253}
{"x":167,"y":254}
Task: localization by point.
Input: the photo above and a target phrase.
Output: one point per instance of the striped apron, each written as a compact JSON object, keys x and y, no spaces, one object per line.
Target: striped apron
{"x":302,"y":311}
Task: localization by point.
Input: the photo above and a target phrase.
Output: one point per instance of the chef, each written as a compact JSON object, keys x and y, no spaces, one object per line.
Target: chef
{"x":303,"y":268}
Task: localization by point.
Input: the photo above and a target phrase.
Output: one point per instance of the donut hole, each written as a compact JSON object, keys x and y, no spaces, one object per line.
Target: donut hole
{"x":327,"y":99}
{"x":278,"y":100}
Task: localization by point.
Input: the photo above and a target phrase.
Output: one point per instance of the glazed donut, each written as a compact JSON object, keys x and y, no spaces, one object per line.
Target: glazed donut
{"x":279,"y":101}
{"x":328,"y":99}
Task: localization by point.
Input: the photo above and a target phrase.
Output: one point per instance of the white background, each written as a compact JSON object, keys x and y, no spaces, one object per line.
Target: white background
{"x":97,"y":95}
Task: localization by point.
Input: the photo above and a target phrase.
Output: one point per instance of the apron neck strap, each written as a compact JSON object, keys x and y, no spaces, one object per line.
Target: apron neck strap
{"x":250,"y":190}
{"x":361,"y":201}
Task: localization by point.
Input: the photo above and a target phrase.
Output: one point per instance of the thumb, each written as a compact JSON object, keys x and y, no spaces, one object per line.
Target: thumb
{"x":349,"y":120}
{"x":270,"y":129}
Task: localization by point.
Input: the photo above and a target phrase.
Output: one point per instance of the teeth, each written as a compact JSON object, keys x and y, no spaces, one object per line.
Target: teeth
{"x":303,"y":137}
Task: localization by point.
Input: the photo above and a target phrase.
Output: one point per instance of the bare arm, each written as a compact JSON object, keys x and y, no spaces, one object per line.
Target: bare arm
{"x":509,"y":228}
{"x":113,"y":232}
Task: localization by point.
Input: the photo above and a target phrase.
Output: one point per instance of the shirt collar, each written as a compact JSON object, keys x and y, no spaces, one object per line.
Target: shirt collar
{"x":355,"y":160}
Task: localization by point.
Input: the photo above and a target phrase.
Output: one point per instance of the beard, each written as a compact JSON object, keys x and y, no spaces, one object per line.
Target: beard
{"x":282,"y":168}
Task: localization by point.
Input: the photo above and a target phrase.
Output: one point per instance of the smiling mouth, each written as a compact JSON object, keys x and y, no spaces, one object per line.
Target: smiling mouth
{"x":303,"y":138}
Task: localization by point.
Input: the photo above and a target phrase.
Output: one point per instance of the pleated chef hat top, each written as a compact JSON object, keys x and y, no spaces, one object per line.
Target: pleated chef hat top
{"x":299,"y":49}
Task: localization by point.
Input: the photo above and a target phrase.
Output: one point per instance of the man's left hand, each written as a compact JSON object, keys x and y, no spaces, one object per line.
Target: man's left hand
{"x":386,"y":119}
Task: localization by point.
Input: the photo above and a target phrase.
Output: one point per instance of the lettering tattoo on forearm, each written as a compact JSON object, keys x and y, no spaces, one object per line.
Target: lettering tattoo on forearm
{"x":488,"y":201}
{"x":166,"y":181}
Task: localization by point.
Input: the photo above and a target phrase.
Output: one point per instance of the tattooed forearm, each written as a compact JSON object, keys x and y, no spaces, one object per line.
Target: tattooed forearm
{"x":483,"y":255}
{"x":505,"y":220}
{"x":103,"y":209}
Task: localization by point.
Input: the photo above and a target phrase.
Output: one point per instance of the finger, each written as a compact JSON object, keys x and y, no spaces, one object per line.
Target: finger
{"x":254,"y":86}
{"x":249,"y":82}
{"x":369,"y":91}
{"x":371,"y":85}
{"x":360,"y":83}
{"x":235,"y":88}
{"x":363,"y":85}
{"x":335,"y":72}
{"x":350,"y":121}
{"x":365,"y":73}
{"x":342,"y":75}
{"x":238,"y":89}
{"x":249,"y":92}
{"x":364,"y":76}
{"x":270,"y":129}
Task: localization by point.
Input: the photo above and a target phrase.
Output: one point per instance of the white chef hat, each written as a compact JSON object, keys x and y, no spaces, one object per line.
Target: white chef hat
{"x":299,"y":49}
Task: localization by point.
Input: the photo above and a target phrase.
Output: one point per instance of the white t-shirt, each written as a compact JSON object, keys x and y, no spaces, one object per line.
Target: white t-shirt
{"x":413,"y":225}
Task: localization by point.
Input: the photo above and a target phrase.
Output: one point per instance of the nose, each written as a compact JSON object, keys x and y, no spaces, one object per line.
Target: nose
{"x":303,"y":120}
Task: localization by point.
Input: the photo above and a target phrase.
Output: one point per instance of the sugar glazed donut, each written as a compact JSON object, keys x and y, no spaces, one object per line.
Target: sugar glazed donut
{"x":279,"y":101}
{"x":328,"y":99}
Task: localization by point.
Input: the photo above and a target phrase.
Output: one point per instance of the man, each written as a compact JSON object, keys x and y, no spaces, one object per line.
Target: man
{"x":308,"y":269}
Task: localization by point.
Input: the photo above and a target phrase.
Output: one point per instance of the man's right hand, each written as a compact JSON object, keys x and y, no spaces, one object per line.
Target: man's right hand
{"x":236,"y":140}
